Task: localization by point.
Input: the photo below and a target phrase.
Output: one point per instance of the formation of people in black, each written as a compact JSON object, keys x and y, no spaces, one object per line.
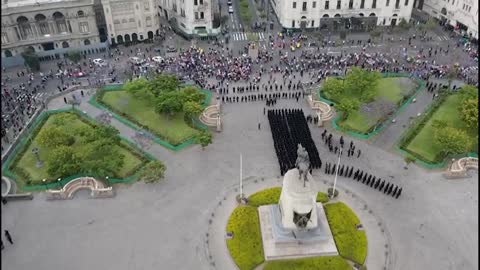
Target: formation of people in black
{"x":327,"y":139}
{"x":366,"y":178}
{"x":266,"y":97}
{"x":289,"y":128}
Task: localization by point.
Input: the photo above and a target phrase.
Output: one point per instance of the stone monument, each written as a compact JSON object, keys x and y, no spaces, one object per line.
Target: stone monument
{"x":297,"y":227}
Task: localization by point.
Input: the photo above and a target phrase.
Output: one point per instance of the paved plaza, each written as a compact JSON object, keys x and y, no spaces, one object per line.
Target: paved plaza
{"x":433,"y":225}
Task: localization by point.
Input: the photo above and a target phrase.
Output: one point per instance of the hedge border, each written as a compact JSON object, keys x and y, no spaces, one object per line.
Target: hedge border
{"x":22,"y":146}
{"x":386,"y":122}
{"x":413,"y":131}
{"x":95,"y":101}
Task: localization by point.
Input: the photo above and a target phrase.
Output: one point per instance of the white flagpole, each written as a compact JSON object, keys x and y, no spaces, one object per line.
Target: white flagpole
{"x":241,"y":185}
{"x":336,"y":172}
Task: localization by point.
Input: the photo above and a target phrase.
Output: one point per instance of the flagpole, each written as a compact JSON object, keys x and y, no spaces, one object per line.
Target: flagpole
{"x":336,"y":172}
{"x":241,"y":185}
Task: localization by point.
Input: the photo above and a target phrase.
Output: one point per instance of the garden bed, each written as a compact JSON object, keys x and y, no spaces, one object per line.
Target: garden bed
{"x":23,"y":162}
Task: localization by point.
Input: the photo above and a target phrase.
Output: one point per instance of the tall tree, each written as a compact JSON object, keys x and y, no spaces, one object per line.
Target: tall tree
{"x":63,"y":161}
{"x":169,"y":103}
{"x":101,"y":158}
{"x":452,"y":140}
{"x":469,"y":112}
{"x":31,"y":59}
{"x":153,"y":172}
{"x":163,"y":83}
{"x":54,"y":137}
{"x":139,"y":88}
{"x":192,"y":109}
{"x":191,"y":93}
{"x":362,"y":82}
{"x":333,"y":88}
{"x":347,"y":106}
{"x":204,"y":138}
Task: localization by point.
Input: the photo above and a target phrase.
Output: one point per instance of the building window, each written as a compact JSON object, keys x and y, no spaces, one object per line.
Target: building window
{"x":148,"y":21}
{"x":83,"y":27}
{"x":294,"y":5}
{"x":406,"y":2}
{"x":201,"y":2}
{"x":182,"y":12}
{"x":293,"y":24}
{"x":202,"y":15}
{"x":4,"y":37}
{"x":374,"y":4}
{"x":362,"y":4}
{"x":313,"y":23}
{"x":196,"y":15}
{"x":195,"y":2}
{"x":314,"y":4}
{"x":397,"y":4}
{"x":327,"y":4}
{"x":304,"y":6}
{"x":388,"y":3}
{"x":86,"y":42}
{"x":339,"y":4}
{"x":350,"y":4}
{"x":80,"y":13}
{"x":146,"y":5}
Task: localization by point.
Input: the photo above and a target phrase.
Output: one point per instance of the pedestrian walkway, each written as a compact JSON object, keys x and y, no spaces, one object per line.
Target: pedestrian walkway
{"x":250,"y":36}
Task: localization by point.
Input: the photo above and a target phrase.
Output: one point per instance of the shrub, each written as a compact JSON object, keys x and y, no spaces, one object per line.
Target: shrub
{"x":351,"y":243}
{"x":327,"y":262}
{"x":246,"y":245}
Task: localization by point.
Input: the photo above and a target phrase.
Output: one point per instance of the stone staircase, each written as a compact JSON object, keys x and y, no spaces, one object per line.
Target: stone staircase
{"x":459,"y":168}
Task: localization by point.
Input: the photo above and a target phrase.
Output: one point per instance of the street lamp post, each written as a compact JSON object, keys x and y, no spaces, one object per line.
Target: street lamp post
{"x":59,"y":184}
{"x":36,"y":151}
{"x":45,"y":183}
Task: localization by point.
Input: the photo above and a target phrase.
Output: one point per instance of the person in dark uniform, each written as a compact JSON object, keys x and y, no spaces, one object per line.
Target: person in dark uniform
{"x":8,"y":236}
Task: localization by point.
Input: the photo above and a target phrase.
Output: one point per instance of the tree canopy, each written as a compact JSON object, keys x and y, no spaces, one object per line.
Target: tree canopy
{"x":363,"y":82}
{"x":54,"y":137}
{"x":153,"y":172}
{"x":452,"y":140}
{"x":204,"y":138}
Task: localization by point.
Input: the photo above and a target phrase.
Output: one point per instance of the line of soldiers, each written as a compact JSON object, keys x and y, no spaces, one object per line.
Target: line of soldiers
{"x":255,"y":97}
{"x":289,"y":128}
{"x":367,"y":179}
{"x":327,"y":139}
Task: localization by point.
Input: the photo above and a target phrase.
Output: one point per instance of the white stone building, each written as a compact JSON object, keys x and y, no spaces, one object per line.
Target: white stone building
{"x":192,"y":17}
{"x":461,"y":14}
{"x":51,"y":28}
{"x":130,"y":20}
{"x":341,"y":14}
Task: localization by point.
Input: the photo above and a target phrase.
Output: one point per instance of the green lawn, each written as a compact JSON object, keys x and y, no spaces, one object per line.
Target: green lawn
{"x":174,"y":130}
{"x":423,"y":144}
{"x":387,"y":89}
{"x":246,"y":246}
{"x":316,"y":263}
{"x":272,"y":196}
{"x":351,"y":244}
{"x":27,"y":162}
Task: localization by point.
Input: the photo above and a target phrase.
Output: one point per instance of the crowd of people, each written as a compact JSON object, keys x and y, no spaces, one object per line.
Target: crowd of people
{"x":289,"y":128}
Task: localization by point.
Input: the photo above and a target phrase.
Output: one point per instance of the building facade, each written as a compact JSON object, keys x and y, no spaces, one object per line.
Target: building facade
{"x":341,"y":14}
{"x":192,"y":17}
{"x":50,"y":28}
{"x":460,"y":14}
{"x":130,"y":20}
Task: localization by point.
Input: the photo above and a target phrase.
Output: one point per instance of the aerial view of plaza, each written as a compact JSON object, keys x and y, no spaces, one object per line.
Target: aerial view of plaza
{"x":239,"y":134}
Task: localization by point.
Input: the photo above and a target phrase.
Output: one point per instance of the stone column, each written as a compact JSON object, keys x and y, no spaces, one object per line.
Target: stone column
{"x":320,"y":120}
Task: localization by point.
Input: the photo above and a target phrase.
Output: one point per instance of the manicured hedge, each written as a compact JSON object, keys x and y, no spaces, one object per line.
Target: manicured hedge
{"x":272,"y":196}
{"x":316,"y":263}
{"x":246,"y":246}
{"x":351,"y":243}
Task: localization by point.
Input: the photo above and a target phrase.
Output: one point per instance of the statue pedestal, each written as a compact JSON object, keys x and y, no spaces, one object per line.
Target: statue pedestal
{"x":280,"y":243}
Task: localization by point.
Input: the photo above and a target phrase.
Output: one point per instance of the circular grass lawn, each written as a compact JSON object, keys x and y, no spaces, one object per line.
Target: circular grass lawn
{"x":246,"y":246}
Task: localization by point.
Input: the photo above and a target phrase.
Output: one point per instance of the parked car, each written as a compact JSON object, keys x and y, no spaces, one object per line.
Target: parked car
{"x":100,"y":62}
{"x":230,"y":9}
{"x":229,"y":2}
{"x":137,"y":61}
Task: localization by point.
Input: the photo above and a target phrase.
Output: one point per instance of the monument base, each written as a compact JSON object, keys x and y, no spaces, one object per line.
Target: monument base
{"x":281,"y":244}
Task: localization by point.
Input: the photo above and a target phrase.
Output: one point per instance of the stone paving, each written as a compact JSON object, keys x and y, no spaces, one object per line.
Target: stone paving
{"x":433,"y":225}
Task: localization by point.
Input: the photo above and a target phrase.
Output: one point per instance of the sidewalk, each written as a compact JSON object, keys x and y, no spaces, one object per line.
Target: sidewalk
{"x":378,"y":237}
